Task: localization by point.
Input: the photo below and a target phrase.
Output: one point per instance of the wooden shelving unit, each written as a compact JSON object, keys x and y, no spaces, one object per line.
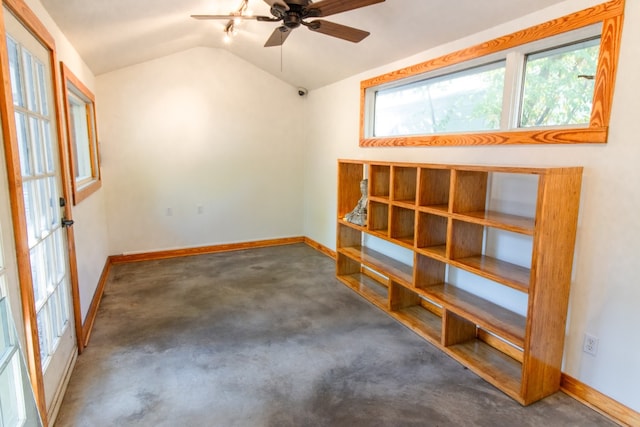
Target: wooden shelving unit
{"x":446,"y":216}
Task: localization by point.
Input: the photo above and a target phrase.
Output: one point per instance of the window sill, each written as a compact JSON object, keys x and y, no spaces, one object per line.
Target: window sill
{"x":79,"y":194}
{"x":590,"y":135}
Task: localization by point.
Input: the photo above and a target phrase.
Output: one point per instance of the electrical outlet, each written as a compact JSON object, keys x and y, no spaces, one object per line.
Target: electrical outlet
{"x":590,"y":344}
{"x":169,"y":212}
{"x":200,"y":209}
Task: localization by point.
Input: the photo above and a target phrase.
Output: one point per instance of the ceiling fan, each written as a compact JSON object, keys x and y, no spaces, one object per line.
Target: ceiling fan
{"x":294,"y":13}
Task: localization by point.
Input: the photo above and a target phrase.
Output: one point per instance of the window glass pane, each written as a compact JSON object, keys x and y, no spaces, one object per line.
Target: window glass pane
{"x":48,"y":147}
{"x":469,"y":100}
{"x":43,"y":210}
{"x":29,"y":80}
{"x":10,"y":381}
{"x":559,"y":84}
{"x":54,"y":202}
{"x":14,"y":71}
{"x":43,"y":334}
{"x":38,"y":145}
{"x":50,"y":265}
{"x":38,"y":275}
{"x":42,"y":86}
{"x":7,"y":340}
{"x":55,"y":318}
{"x":80,"y":129}
{"x":64,"y":304}
{"x":30,"y":208}
{"x":23,"y":144}
{"x":60,"y":259}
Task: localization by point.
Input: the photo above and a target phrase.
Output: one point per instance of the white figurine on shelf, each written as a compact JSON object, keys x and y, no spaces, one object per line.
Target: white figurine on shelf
{"x":359,"y":214}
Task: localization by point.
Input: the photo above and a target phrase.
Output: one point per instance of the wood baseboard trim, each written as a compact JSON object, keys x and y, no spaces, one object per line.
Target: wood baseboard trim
{"x":226,"y":247}
{"x":320,"y":247}
{"x":87,"y":326}
{"x":599,"y":402}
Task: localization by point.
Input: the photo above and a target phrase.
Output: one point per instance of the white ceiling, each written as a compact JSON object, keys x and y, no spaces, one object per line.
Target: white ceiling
{"x":117,"y":33}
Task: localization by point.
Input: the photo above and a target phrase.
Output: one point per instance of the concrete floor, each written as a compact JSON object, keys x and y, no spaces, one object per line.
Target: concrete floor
{"x":268,"y":337}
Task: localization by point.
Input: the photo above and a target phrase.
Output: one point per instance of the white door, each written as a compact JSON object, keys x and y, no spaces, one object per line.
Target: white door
{"x":35,"y":121}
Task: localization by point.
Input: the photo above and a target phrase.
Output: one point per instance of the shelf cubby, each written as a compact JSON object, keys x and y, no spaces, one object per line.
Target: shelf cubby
{"x":349,"y":235}
{"x":378,"y":218}
{"x":402,"y":226}
{"x":492,"y":365}
{"x":485,"y":314}
{"x":434,"y":188}
{"x":379,"y":181}
{"x":469,"y":191}
{"x":379,"y":262}
{"x":431,"y":235}
{"x":486,"y":242}
{"x":370,"y":288}
{"x":466,"y":250}
{"x":404,"y":184}
{"x":349,"y":176}
{"x":409,"y":307}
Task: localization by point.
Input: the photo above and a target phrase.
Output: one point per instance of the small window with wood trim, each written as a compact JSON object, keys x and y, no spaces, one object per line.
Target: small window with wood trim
{"x":82,"y":137}
{"x":552,"y":83}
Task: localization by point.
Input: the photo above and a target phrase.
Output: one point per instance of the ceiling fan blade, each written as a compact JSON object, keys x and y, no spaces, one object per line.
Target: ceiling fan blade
{"x":331,"y":7}
{"x":243,"y":17}
{"x":337,"y":30}
{"x":278,"y":36}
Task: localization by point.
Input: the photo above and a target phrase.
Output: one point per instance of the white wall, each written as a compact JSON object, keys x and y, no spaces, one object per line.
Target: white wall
{"x":200,"y":128}
{"x":90,"y":215}
{"x":605,"y":292}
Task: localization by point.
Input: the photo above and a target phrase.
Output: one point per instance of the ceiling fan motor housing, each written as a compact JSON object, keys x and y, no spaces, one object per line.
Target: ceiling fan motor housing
{"x":294,"y":16}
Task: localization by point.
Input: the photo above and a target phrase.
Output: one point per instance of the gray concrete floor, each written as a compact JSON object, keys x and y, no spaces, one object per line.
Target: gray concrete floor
{"x":268,"y":337}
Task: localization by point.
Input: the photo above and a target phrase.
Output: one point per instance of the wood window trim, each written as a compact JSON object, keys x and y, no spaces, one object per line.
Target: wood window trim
{"x":611,"y":16}
{"x":81,"y":190}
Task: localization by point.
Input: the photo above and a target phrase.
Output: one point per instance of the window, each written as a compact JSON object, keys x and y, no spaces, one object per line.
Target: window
{"x":552,"y":83}
{"x":461,"y":101}
{"x":81,"y":136}
{"x":558,"y":85}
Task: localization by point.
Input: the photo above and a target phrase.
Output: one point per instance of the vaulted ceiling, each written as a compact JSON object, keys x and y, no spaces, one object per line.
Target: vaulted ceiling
{"x":117,"y":33}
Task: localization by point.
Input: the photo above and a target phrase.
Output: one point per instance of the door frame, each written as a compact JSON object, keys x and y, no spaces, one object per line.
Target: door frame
{"x":26,"y":16}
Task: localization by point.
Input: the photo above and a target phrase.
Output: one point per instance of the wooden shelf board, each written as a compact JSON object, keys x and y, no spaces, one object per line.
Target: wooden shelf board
{"x":406,"y":241}
{"x":513,"y":223}
{"x":421,"y":321}
{"x":487,"y":315}
{"x":441,"y":210}
{"x":497,"y":270}
{"x":370,"y":289}
{"x":437,"y":252}
{"x":379,"y":199}
{"x":352,"y":225}
{"x":491,"y":365}
{"x":407,"y":204}
{"x":375,"y":260}
{"x":382,"y":233}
